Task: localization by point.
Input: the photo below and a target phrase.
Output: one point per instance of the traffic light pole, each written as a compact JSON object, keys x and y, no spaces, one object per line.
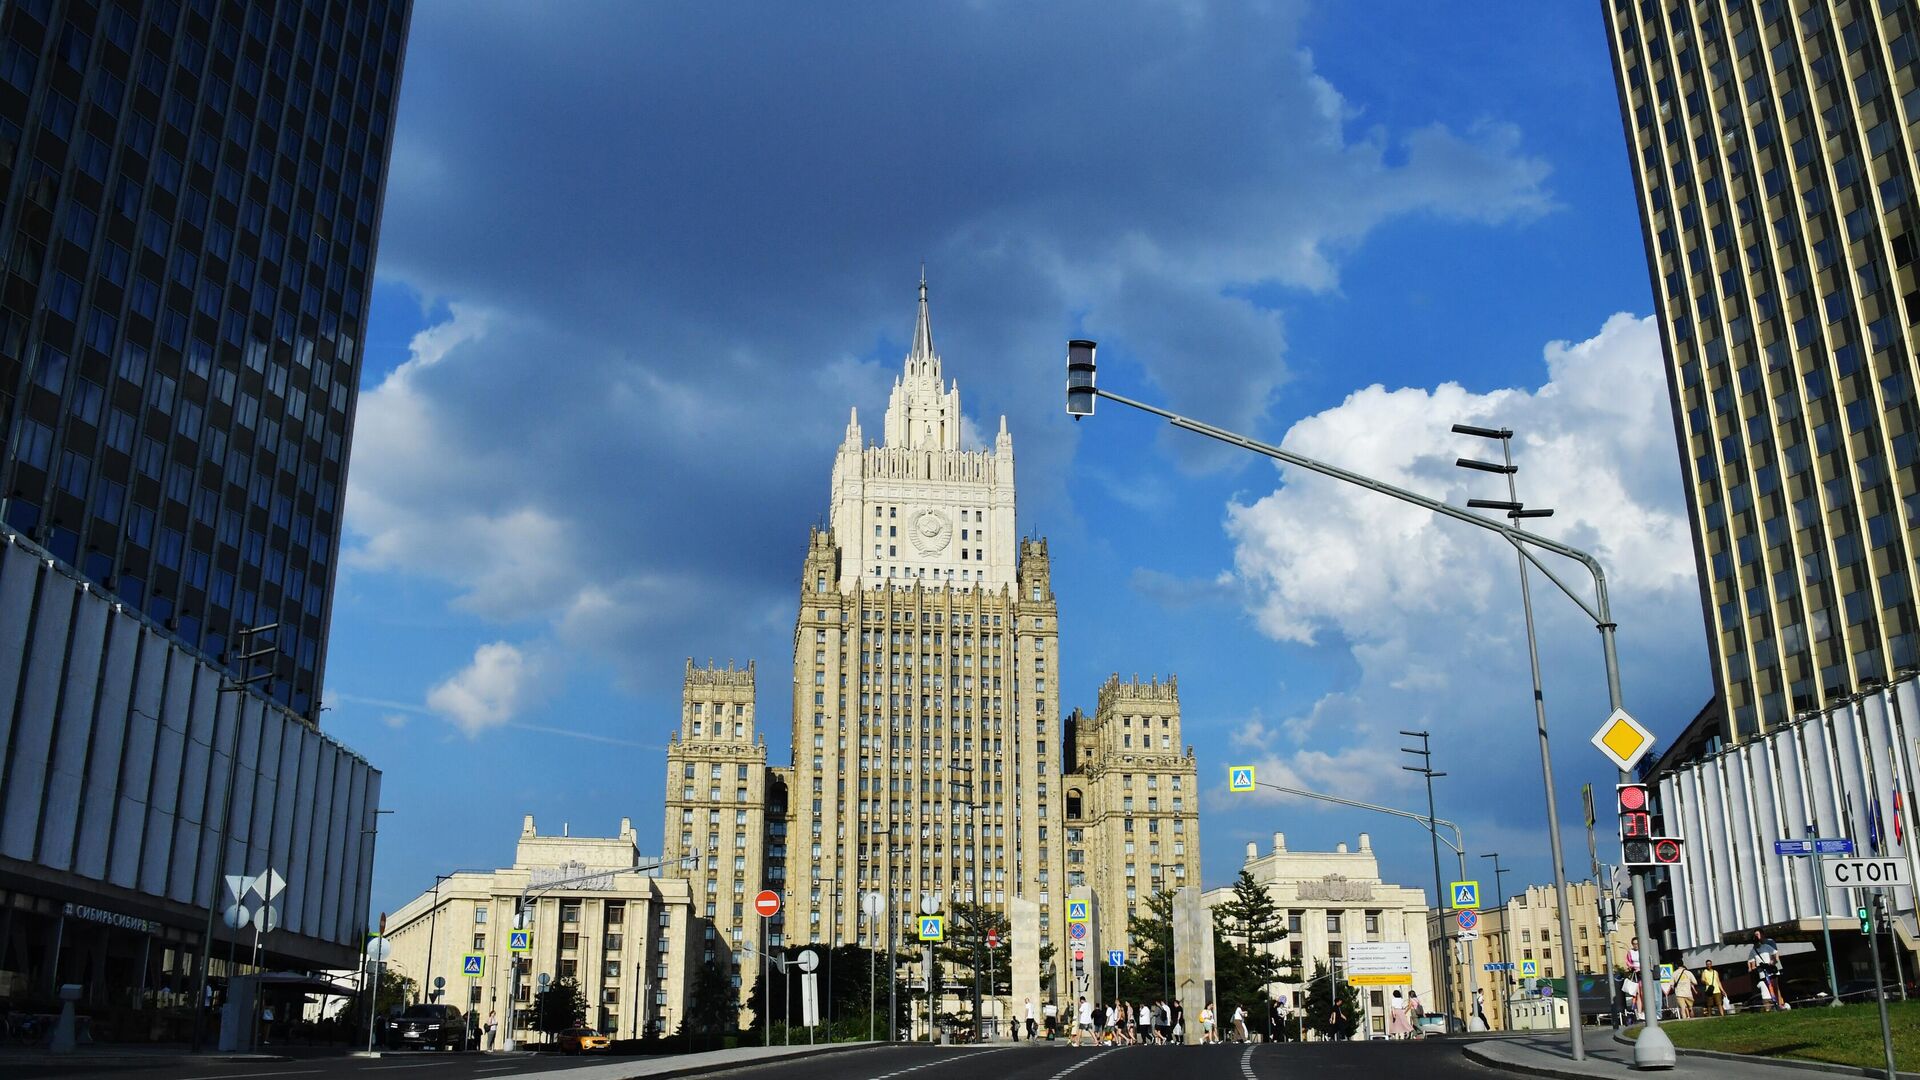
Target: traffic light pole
{"x":1653,"y":1049}
{"x":1879,"y":988}
{"x":1826,"y":933}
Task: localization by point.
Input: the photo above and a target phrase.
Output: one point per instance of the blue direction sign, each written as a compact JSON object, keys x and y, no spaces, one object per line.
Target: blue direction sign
{"x":1116,"y":958}
{"x":1822,"y":846}
{"x":1502,"y":966}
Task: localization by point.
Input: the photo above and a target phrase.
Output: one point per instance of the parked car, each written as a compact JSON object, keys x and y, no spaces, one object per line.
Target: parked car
{"x":429,"y":1025}
{"x":582,"y":1040}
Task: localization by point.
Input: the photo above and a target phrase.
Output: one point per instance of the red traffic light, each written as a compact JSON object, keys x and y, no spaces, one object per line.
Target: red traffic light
{"x":1666,"y":851}
{"x":1632,"y":798}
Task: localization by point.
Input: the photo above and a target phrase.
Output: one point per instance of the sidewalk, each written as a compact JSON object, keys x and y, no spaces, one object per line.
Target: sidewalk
{"x":1548,"y":1055}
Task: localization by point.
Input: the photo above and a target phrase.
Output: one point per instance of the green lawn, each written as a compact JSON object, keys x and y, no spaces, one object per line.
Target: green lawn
{"x":1848,"y":1035}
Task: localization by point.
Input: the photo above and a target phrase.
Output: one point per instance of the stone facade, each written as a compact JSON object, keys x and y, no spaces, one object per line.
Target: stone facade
{"x":1131,"y":803}
{"x":1331,"y":899}
{"x":632,"y":939}
{"x":1528,"y":927}
{"x":926,"y":698}
{"x":715,"y":828}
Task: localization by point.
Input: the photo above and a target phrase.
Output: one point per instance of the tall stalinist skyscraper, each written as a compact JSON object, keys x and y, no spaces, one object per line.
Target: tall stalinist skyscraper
{"x":926,"y":701}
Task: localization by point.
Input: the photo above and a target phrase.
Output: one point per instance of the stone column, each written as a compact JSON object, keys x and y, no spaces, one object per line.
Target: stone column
{"x":1192,"y":958}
{"x":1023,"y":924}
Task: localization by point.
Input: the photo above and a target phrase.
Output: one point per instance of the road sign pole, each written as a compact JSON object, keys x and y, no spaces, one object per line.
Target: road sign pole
{"x":1879,"y":988}
{"x":1826,"y":933}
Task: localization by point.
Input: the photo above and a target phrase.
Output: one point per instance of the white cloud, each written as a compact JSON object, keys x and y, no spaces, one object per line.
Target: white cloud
{"x":1427,"y":607}
{"x":488,"y":692}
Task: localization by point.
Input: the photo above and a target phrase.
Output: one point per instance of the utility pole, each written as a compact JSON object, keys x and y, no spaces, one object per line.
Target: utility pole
{"x":231,"y":684}
{"x":1425,"y":768}
{"x":1506,"y":933}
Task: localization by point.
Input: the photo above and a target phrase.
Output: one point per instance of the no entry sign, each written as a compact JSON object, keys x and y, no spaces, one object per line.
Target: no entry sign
{"x":767,"y":904}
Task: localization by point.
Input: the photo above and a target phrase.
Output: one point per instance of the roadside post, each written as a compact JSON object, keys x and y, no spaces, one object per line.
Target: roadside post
{"x":1876,"y":875}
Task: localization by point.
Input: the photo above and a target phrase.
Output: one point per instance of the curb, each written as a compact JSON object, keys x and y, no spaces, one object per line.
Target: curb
{"x":1472,"y":1050}
{"x":1789,"y":1063}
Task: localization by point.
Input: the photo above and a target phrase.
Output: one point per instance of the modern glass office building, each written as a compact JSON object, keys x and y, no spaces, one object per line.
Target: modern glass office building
{"x":193,"y":192}
{"x":1773,"y":154}
{"x":1774,"y":161}
{"x":193,"y":197}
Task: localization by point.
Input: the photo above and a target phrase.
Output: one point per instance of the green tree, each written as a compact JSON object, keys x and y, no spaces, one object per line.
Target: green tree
{"x":713,"y":1007}
{"x":560,"y":1006}
{"x":1047,"y":953}
{"x":1320,"y":1011}
{"x":1246,"y":928}
{"x":1149,"y":950}
{"x":963,"y":955}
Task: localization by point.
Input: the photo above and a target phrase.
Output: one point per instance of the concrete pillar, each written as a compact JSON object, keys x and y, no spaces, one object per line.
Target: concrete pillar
{"x":1192,"y":958}
{"x":1023,"y":923}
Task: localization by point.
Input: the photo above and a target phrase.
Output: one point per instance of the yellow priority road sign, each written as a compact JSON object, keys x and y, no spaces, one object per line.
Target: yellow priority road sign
{"x":1623,"y":740}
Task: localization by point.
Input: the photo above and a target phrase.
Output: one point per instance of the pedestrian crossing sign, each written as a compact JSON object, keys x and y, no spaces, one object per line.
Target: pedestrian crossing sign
{"x":1076,"y":911}
{"x":933,"y":928}
{"x":1466,"y":894}
{"x":1240,"y":778}
{"x":1529,"y":969}
{"x":1666,"y":972}
{"x":473,"y":965}
{"x":520,"y":941}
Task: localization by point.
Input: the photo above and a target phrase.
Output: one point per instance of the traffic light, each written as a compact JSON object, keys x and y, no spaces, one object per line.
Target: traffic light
{"x":1866,"y":920}
{"x":1652,"y":851}
{"x":1634,"y":805}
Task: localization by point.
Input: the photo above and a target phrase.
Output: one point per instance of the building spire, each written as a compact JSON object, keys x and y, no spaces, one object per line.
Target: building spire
{"x":922,"y":328}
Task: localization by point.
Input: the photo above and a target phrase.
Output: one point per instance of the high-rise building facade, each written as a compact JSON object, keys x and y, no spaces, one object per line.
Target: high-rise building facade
{"x":1132,"y":801}
{"x":716,"y":816}
{"x":1775,"y":171}
{"x":926,"y":700}
{"x":193,"y":202}
{"x":193,"y":193}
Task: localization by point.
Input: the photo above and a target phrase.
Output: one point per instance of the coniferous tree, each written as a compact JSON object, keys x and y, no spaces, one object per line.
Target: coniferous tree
{"x":1246,"y":928}
{"x":714,"y":1005}
{"x":1320,"y":1015}
{"x":1148,"y":974}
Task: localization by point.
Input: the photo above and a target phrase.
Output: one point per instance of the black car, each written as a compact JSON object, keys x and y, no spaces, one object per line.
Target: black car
{"x":429,"y":1025}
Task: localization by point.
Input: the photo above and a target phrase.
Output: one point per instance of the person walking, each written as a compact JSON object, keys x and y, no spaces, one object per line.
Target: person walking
{"x":1050,"y":1014}
{"x":1712,"y":992}
{"x":1027,"y":1014}
{"x":1684,"y":985}
{"x":1480,"y":1008}
{"x":1416,"y":1012}
{"x":1083,"y":1022}
{"x":1179,"y":1015}
{"x":1764,"y":961}
{"x":1206,"y":1024}
{"x":1397,"y":1026}
{"x":1240,"y":1024}
{"x":493,"y":1025}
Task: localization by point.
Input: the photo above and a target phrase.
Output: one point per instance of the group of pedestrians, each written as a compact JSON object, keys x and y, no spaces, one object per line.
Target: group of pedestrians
{"x":1144,"y":1023}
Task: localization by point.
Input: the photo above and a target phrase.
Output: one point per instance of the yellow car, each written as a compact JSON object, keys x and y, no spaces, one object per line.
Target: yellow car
{"x":582,"y":1040}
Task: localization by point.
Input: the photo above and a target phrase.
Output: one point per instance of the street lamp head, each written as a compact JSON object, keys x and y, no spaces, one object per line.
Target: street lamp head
{"x":1486,"y":466}
{"x":1482,"y":432}
{"x":1414,"y":734}
{"x":1518,"y":514}
{"x":1080,"y":376}
{"x":1494,"y":504}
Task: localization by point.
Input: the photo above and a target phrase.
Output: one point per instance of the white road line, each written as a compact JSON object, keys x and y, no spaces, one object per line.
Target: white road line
{"x":422,"y":1065}
{"x":1246,"y":1064}
{"x":1081,"y":1064}
{"x":497,"y":1068}
{"x":237,"y":1076}
{"x":931,"y":1064}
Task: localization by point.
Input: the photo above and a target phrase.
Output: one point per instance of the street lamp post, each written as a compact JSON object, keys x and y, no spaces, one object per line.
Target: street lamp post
{"x":1517,"y":512}
{"x":1653,"y":1049}
{"x":1425,"y":768}
{"x":1506,"y":930}
{"x":229,"y":685}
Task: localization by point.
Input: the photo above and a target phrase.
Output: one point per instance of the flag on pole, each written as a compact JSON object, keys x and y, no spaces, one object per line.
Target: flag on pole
{"x":1899,"y":830}
{"x":1873,"y":825}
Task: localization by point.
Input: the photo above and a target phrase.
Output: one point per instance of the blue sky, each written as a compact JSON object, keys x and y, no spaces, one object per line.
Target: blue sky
{"x":638,"y":262}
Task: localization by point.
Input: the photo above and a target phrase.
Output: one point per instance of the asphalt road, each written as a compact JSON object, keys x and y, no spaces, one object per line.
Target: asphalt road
{"x":1429,"y":1060}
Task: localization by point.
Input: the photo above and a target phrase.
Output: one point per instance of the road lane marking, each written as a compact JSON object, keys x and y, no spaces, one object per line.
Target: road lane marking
{"x":238,"y":1076}
{"x":938,"y":1061}
{"x":1246,"y":1064}
{"x":422,"y":1065}
{"x":1082,"y":1063}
